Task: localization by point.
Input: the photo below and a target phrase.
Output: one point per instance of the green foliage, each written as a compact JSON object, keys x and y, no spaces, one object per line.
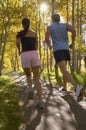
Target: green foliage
{"x":10,"y":118}
{"x":54,"y":78}
{"x":45,"y":75}
{"x":79,"y":46}
{"x":80,"y":78}
{"x":12,"y":12}
{"x":59,"y":80}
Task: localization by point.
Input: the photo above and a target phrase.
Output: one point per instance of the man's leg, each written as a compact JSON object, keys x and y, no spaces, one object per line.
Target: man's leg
{"x":67,"y":76}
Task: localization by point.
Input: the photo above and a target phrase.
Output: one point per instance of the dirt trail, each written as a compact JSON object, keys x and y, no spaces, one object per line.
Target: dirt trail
{"x":59,"y":113}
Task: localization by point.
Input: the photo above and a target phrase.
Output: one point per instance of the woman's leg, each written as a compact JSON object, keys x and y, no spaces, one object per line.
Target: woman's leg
{"x":29,"y":81}
{"x":28,"y":76}
{"x":67,"y":76}
{"x":36,"y":76}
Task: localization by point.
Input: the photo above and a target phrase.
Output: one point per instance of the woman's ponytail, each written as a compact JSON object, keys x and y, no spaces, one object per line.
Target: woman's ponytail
{"x":26,"y":25}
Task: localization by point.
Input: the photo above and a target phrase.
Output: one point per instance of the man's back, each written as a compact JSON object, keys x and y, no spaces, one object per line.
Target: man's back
{"x":59,"y":36}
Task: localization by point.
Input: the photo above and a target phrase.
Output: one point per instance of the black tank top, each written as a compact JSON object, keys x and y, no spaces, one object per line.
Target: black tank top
{"x":28,"y":43}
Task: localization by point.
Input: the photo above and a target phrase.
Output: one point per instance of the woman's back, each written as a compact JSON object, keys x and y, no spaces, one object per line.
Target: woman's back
{"x":28,"y":42}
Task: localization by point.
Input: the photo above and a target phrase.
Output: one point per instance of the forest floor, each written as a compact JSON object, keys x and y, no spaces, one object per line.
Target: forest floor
{"x":59,"y":113}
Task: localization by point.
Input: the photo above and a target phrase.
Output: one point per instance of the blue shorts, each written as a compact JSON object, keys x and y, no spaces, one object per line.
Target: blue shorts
{"x":62,"y":55}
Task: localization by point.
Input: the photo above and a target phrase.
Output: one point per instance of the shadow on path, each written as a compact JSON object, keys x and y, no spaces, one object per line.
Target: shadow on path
{"x":78,"y":111}
{"x":59,"y":113}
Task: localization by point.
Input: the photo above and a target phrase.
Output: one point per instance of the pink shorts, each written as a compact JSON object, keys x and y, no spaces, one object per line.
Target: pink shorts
{"x":30,"y":59}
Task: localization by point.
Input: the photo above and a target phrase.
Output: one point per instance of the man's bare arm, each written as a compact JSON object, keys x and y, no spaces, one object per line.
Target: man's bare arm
{"x":71,"y":29}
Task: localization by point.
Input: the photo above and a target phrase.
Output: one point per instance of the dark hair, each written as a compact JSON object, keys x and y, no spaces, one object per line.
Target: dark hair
{"x":55,"y":17}
{"x":26,"y":25}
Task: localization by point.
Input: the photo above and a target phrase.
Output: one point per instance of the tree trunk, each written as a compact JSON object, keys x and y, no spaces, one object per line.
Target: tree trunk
{"x":52,"y":6}
{"x":67,"y":10}
{"x":73,"y":51}
{"x":3,"y":51}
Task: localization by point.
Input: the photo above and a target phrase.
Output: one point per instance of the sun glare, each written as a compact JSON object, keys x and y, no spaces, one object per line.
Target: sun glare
{"x":43,"y":7}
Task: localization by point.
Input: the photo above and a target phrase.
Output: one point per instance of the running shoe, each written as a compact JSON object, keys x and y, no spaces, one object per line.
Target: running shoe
{"x":40,"y":105}
{"x":79,"y":93}
{"x":63,"y":91}
{"x":30,"y":94}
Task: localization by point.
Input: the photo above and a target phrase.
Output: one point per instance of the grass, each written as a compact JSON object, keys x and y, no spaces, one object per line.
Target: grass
{"x":10,"y":118}
{"x":80,"y":78}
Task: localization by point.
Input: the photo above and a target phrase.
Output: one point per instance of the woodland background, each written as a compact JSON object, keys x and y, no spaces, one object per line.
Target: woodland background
{"x":11,"y":14}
